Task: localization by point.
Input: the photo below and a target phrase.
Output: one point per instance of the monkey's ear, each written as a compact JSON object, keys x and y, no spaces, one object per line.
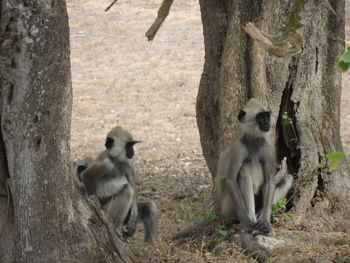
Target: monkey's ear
{"x":132,"y":143}
{"x":109,"y":143}
{"x":241,"y":115}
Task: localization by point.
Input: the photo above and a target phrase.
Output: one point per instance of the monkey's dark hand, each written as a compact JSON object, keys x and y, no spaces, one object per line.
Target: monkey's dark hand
{"x":130,"y":231}
{"x":262,"y":227}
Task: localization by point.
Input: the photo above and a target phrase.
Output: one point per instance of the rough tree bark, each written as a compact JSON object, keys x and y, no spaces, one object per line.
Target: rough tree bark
{"x":306,"y":86}
{"x":47,"y":220}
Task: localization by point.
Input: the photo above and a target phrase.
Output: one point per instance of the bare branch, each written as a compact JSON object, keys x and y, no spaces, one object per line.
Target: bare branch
{"x":288,"y":44}
{"x":163,"y":12}
{"x":263,"y":40}
{"x":329,"y":6}
{"x":109,"y":7}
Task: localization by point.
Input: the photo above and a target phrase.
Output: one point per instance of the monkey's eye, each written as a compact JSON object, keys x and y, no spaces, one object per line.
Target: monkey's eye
{"x":241,"y":115}
{"x":109,"y":143}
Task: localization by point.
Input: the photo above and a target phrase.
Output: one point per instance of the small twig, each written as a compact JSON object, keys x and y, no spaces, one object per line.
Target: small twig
{"x":329,"y":6}
{"x":163,"y":12}
{"x":109,"y":7}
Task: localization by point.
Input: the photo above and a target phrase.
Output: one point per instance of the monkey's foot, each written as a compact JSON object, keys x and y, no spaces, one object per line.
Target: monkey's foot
{"x":262,"y":227}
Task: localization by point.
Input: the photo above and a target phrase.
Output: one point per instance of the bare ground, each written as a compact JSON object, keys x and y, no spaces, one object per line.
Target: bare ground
{"x":150,"y":89}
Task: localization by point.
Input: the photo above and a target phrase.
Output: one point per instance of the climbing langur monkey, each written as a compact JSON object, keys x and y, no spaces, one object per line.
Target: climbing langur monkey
{"x":112,"y":178}
{"x":245,"y":176}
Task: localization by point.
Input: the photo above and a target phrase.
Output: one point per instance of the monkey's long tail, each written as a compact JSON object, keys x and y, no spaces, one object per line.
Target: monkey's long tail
{"x":192,"y":228}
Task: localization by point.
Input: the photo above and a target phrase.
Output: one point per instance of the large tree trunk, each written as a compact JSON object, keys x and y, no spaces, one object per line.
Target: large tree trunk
{"x":47,"y":220}
{"x":307,"y":86}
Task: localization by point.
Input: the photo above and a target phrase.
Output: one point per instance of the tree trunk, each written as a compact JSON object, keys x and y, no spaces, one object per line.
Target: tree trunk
{"x":47,"y":220}
{"x":306,"y":86}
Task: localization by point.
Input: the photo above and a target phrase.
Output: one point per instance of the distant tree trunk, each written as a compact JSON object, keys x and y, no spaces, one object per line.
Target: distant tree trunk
{"x":47,"y":220}
{"x":306,"y":86}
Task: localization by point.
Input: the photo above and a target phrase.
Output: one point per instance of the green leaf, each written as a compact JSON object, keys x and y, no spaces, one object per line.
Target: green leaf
{"x":343,"y":65}
{"x":335,"y":158}
{"x":274,"y":209}
{"x":288,"y":216}
{"x":223,"y":232}
{"x":212,"y":215}
{"x":345,"y":57}
{"x":282,"y":202}
{"x":344,"y":60}
{"x":286,"y":119}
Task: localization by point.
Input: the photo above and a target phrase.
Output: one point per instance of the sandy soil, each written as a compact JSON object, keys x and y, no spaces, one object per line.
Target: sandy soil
{"x":150,"y":88}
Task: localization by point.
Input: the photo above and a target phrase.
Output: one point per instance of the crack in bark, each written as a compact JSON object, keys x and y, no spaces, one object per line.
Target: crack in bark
{"x":320,"y":188}
{"x":10,"y":92}
{"x":287,"y":134}
{"x":316,"y":66}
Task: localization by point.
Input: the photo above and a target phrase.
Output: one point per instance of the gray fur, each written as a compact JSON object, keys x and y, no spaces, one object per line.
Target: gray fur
{"x":246,"y":170}
{"x":112,"y":178}
{"x":148,"y":215}
{"x":78,"y":166}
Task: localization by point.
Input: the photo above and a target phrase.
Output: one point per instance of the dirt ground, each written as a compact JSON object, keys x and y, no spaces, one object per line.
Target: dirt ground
{"x":150,"y":88}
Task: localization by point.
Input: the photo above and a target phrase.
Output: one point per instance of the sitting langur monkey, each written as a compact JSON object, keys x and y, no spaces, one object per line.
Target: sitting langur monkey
{"x":112,"y":178}
{"x":245,"y":177}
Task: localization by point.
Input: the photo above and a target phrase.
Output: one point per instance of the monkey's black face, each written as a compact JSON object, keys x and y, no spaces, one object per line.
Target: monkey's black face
{"x":263,"y":120}
{"x":129,"y":149}
{"x":109,"y":143}
{"x":116,"y":148}
{"x":241,"y":115}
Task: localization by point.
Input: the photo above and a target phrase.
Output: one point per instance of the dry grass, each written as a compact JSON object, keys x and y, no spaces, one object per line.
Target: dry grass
{"x":150,"y":88}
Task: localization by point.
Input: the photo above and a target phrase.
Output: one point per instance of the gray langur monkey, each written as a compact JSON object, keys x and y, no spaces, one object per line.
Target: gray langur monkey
{"x":244,"y":181}
{"x":111,"y":177}
{"x":245,"y":177}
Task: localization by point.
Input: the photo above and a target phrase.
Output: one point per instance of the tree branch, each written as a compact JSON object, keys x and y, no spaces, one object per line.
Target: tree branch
{"x":329,"y":6}
{"x":163,"y":12}
{"x":286,"y":44}
{"x":281,"y":46}
{"x":109,"y":7}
